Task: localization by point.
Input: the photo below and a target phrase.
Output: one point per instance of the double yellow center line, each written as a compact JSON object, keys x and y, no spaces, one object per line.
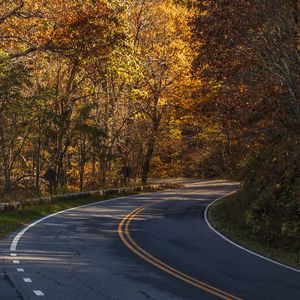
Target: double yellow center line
{"x":125,"y":236}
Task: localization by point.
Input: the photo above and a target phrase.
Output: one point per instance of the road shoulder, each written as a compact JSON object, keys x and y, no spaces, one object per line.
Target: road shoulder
{"x":240,"y":236}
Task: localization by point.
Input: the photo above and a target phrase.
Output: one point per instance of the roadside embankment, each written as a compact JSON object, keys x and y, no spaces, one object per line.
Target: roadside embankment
{"x":264,"y":215}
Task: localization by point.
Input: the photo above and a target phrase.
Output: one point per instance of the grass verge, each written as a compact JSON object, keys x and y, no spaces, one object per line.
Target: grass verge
{"x":239,"y":233}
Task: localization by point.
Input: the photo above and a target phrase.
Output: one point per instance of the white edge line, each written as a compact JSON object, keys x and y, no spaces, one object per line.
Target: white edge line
{"x":38,"y":293}
{"x":14,"y":244}
{"x":237,"y":245}
{"x":16,"y":239}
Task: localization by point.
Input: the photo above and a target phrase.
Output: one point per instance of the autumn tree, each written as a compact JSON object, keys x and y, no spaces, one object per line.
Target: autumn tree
{"x":160,"y":33}
{"x":15,"y":118}
{"x":103,"y":82}
{"x":248,"y":60}
{"x":71,"y":42}
{"x":241,"y":93}
{"x":252,"y":58}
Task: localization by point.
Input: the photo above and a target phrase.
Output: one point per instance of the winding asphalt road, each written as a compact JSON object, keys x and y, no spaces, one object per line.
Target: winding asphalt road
{"x":151,"y":246}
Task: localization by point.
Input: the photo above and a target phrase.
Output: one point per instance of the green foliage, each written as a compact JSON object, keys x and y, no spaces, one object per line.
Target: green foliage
{"x":268,"y":205}
{"x":227,"y":216}
{"x":12,"y":79}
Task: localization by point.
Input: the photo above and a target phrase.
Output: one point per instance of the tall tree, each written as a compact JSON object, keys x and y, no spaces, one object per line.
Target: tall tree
{"x":161,"y":37}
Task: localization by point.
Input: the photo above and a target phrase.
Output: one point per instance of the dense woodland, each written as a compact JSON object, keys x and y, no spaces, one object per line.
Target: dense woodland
{"x":91,"y":90}
{"x":249,"y":65}
{"x":104,"y":93}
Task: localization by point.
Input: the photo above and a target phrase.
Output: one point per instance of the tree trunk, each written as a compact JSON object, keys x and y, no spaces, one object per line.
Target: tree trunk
{"x":37,"y":166}
{"x":7,"y":178}
{"x":103,"y":170}
{"x":150,"y":150}
{"x":82,"y":163}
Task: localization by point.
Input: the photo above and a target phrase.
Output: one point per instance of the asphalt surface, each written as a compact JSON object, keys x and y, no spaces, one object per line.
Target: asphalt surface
{"x":79,"y":254}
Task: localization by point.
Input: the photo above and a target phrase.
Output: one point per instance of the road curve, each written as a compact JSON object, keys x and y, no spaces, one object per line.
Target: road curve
{"x":150,"y":246}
